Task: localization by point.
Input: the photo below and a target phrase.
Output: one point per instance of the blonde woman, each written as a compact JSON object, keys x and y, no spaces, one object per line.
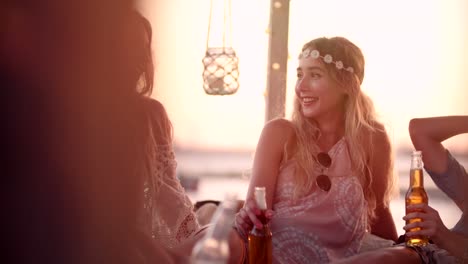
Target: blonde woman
{"x":328,"y":171}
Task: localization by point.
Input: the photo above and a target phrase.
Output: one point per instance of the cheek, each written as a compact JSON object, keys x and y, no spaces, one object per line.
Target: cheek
{"x":336,"y":101}
{"x":296,"y":89}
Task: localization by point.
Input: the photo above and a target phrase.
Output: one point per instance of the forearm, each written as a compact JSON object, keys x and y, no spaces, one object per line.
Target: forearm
{"x":427,"y":135}
{"x":384,"y":226}
{"x":381,"y":168}
{"x":439,"y":128}
{"x":454,"y":243}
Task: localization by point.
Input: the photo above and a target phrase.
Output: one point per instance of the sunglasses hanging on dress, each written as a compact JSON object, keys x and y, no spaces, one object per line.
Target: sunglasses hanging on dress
{"x":322,"y":180}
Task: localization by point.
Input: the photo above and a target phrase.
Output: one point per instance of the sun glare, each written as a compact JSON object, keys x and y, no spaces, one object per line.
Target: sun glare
{"x":416,"y":53}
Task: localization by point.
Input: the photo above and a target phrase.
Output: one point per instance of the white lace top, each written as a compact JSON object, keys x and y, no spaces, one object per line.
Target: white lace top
{"x":168,"y":212}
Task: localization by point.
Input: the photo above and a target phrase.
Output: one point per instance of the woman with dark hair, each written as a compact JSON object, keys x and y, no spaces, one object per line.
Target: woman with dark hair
{"x":75,"y":133}
{"x":168,"y":214}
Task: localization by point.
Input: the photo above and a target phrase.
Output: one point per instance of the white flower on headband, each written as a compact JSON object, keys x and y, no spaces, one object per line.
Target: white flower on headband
{"x":339,"y":65}
{"x":314,"y":54}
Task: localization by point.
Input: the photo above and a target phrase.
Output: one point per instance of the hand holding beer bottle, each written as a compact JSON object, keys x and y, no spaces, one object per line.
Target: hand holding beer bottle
{"x":260,"y":245}
{"x":416,"y":194}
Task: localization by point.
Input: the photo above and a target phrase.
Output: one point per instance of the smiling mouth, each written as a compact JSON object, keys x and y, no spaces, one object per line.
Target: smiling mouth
{"x":309,"y":100}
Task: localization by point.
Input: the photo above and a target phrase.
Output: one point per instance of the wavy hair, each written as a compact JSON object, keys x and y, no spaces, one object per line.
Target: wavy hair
{"x":359,"y":120}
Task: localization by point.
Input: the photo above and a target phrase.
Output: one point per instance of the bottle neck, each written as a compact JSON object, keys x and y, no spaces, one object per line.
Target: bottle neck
{"x":260,"y":199}
{"x":262,"y":217}
{"x":416,"y":178}
{"x":416,"y":172}
{"x":416,"y":162}
{"x":221,"y":224}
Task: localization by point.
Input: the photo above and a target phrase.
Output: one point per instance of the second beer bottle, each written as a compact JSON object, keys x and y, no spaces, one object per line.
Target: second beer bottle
{"x":260,"y":245}
{"x":416,"y":195}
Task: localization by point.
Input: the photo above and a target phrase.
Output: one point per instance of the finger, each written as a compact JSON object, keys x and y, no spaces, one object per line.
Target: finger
{"x":422,"y":232}
{"x":244,"y":216}
{"x":269,"y":213}
{"x":254,"y":219}
{"x":416,"y":206}
{"x":414,"y":225}
{"x":422,"y":207}
{"x":246,"y":227}
{"x":239,"y":219}
{"x":413,"y":215}
{"x":252,"y":212}
{"x":243,"y":224}
{"x":251,"y":205}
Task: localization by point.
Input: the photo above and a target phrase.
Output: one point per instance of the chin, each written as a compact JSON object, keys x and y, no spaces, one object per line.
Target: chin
{"x":309,"y":114}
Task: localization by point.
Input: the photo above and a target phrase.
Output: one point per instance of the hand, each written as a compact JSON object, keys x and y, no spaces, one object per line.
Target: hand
{"x":247,"y":217}
{"x":431,"y":224}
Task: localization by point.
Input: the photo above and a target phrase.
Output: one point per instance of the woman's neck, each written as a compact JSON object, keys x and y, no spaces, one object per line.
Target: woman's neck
{"x":331,"y":132}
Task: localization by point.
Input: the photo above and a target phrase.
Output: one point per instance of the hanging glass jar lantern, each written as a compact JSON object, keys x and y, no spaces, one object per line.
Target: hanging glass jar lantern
{"x":221,"y":71}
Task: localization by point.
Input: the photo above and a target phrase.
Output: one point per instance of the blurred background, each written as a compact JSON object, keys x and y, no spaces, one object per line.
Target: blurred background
{"x":416,"y":59}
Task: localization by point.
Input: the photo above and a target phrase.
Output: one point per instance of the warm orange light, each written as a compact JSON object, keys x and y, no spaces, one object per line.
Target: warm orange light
{"x":416,"y":54}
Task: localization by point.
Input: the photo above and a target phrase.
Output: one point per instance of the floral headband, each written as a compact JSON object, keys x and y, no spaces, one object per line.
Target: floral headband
{"x":315,"y":54}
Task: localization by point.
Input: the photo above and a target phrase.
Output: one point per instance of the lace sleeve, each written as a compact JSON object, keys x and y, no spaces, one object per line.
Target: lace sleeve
{"x":187,"y":228}
{"x":171,"y":211}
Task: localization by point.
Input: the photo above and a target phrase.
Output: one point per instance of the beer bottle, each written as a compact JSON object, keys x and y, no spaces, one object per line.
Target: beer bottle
{"x":213,"y":248}
{"x":260,"y":245}
{"x":416,"y":195}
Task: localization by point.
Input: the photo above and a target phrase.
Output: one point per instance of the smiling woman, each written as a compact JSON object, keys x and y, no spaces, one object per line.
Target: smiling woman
{"x":324,"y":181}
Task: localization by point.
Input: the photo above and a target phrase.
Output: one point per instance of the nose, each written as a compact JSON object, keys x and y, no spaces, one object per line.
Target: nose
{"x":301,"y":85}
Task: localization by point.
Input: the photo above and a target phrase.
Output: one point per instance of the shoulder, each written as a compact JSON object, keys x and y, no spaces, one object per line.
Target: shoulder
{"x":159,"y":121}
{"x":279,"y":128}
{"x":379,"y":150}
{"x":280,"y":125}
{"x":378,"y":136}
{"x":156,"y":112}
{"x":276,"y":135}
{"x":154,"y":106}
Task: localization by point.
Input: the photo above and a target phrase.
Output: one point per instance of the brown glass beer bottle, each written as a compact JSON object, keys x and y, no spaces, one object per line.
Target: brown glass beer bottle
{"x":416,"y":195}
{"x":260,"y":245}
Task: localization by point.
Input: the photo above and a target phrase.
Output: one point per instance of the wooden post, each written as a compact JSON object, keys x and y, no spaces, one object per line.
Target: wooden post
{"x":277,"y":59}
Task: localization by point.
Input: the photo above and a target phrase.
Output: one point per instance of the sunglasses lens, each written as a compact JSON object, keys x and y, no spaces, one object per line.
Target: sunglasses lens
{"x":324,"y":159}
{"x":323,"y":182}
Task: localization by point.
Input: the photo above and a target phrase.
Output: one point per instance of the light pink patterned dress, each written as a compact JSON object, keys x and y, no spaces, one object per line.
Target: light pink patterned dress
{"x":319,"y":227}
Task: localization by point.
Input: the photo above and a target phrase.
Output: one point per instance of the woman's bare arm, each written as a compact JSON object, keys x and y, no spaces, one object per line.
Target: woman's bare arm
{"x":268,"y":157}
{"x":381,"y":167}
{"x":427,"y":135}
{"x":267,"y":162}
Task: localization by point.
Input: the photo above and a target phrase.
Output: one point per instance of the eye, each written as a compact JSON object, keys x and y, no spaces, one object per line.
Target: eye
{"x":299,"y":75}
{"x":315,"y":75}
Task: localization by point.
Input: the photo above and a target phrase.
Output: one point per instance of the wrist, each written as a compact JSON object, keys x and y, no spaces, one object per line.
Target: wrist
{"x":446,"y":240}
{"x":240,"y":231}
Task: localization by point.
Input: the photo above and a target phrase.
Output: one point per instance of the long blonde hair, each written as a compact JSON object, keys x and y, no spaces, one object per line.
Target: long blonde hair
{"x":359,"y":118}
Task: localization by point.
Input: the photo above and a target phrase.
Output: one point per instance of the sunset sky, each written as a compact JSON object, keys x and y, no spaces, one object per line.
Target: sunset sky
{"x":416,"y":62}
